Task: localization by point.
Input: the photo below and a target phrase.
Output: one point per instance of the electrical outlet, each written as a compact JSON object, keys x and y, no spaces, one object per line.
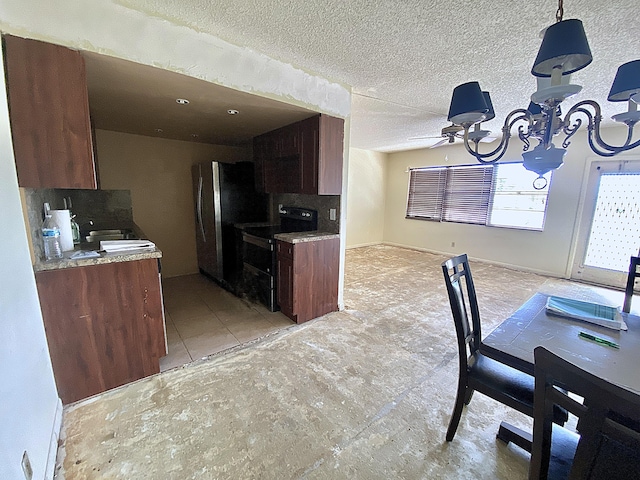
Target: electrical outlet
{"x":332,"y":213}
{"x":453,"y":244}
{"x":26,"y":466}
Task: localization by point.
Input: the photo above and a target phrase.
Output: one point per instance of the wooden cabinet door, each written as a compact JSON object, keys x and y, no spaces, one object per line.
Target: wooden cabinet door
{"x":104,"y":325}
{"x":289,"y":140}
{"x":261,"y":152}
{"x":284,"y":287}
{"x":309,"y":134}
{"x":49,"y":114}
{"x":330,"y":155}
{"x":308,"y":278}
{"x":282,"y":175}
{"x":304,"y":157}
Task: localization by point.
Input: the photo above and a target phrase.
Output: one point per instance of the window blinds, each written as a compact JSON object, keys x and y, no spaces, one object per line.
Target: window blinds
{"x":426,"y":193}
{"x":467,"y":194}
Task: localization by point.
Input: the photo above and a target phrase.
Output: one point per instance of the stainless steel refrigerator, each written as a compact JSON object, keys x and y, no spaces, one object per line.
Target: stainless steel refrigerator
{"x":225,"y":196}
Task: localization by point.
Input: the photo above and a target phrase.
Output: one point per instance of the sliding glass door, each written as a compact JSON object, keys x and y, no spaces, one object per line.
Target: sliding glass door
{"x":610,"y":226}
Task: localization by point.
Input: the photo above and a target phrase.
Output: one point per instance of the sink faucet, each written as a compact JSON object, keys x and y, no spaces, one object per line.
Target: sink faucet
{"x":86,"y":226}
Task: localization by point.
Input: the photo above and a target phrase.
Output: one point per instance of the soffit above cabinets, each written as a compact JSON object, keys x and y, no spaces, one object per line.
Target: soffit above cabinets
{"x":133,"y":98}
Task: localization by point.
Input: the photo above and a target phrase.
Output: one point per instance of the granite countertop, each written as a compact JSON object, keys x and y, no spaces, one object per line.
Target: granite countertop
{"x":300,"y":237}
{"x":94,"y":247}
{"x":67,"y":262}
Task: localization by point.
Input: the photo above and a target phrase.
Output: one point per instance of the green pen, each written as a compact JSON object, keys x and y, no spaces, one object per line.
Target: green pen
{"x":599,"y":340}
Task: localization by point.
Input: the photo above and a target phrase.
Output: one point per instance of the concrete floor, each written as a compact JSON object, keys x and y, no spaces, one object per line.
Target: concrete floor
{"x":365,"y":393}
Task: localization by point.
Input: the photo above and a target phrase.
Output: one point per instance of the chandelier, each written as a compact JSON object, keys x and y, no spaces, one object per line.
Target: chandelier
{"x":564,"y":50}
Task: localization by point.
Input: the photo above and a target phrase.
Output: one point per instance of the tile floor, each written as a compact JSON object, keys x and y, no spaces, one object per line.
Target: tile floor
{"x":202,"y":319}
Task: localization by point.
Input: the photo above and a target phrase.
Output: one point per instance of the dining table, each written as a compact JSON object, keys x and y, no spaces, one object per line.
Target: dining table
{"x":513,"y":341}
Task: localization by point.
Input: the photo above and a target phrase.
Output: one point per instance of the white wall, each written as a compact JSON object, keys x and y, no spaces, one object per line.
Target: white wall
{"x":549,"y":252}
{"x":108,"y":27}
{"x":366,"y":198}
{"x":158,"y":173}
{"x":29,"y":406}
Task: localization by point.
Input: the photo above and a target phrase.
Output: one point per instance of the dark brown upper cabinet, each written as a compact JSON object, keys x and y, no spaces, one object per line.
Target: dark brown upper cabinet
{"x":49,"y":114}
{"x":304,"y":157}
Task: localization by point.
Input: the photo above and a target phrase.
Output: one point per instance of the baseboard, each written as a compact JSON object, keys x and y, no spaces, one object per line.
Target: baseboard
{"x":53,"y":444}
{"x":510,"y":266}
{"x":359,"y":245}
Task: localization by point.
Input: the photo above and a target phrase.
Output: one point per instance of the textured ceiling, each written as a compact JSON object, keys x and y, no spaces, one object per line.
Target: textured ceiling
{"x":403,"y":58}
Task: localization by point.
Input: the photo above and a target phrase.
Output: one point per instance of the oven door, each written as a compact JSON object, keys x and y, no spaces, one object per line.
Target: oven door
{"x":259,"y":259}
{"x":260,"y":287}
{"x":258,"y":253}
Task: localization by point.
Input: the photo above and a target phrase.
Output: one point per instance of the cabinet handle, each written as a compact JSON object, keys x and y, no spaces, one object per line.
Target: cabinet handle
{"x":204,"y":237}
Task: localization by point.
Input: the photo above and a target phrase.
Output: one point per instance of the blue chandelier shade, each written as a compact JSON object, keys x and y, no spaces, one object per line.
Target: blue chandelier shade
{"x":534,"y":109}
{"x":564,"y":45}
{"x":491,"y":114}
{"x":627,"y":82}
{"x":468,"y":105}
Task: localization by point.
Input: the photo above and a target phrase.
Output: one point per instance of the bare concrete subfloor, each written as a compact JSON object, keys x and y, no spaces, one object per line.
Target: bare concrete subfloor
{"x":365,"y":393}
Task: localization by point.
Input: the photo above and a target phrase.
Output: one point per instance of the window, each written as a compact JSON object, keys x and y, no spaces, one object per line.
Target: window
{"x":500,"y":195}
{"x":467,"y":194}
{"x":426,"y":193}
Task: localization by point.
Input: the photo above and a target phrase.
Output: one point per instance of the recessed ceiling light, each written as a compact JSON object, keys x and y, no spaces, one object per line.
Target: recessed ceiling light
{"x":182,"y":101}
{"x":232,"y":112}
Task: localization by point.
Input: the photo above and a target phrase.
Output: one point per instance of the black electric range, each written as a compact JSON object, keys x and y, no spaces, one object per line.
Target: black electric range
{"x":259,"y":253}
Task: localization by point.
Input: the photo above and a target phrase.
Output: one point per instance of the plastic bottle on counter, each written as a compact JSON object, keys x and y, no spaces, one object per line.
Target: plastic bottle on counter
{"x":51,"y":239}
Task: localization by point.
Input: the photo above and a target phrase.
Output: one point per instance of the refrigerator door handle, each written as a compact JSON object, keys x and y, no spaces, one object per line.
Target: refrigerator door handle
{"x":204,"y":237}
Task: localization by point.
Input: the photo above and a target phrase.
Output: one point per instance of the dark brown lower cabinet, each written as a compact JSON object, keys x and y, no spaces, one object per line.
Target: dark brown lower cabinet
{"x":104,"y":325}
{"x":308,"y":278}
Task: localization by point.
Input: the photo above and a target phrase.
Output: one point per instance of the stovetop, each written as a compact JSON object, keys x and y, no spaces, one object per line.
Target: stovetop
{"x":292,"y":219}
{"x":264,"y":232}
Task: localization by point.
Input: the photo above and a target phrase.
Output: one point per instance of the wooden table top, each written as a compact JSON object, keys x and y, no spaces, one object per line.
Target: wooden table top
{"x":514,"y":340}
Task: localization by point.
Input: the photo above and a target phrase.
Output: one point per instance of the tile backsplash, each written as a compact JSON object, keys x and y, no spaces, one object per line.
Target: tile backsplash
{"x":322,"y":203}
{"x":107,"y":209}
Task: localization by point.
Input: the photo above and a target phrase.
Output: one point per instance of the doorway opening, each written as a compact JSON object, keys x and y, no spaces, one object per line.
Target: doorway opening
{"x":610,"y":229}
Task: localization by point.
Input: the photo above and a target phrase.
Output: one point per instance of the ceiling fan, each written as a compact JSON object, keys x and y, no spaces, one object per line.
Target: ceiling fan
{"x":449,"y":135}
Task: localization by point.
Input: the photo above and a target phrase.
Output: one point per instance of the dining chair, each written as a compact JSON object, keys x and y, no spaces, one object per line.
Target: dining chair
{"x":608,"y":445}
{"x":631,"y":280}
{"x":478,"y":372}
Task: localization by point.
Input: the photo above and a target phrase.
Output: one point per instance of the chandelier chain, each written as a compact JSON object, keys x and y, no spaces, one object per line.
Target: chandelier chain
{"x":560,"y":11}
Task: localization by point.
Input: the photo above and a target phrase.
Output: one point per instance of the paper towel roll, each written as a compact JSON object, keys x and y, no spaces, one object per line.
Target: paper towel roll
{"x":62,"y":218}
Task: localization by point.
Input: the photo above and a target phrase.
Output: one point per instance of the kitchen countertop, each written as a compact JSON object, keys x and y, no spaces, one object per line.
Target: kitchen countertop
{"x":66,"y":262}
{"x":301,"y":237}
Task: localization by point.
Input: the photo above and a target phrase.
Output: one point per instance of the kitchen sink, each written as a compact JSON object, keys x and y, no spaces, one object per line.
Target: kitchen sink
{"x":115,"y":234}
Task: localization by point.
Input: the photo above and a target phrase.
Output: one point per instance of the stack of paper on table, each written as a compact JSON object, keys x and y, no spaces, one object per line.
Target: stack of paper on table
{"x":597,"y":314}
{"x":111,"y":246}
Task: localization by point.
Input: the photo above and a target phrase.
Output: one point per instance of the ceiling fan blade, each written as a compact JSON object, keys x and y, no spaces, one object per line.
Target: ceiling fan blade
{"x":423,"y":137}
{"x":444,"y":141}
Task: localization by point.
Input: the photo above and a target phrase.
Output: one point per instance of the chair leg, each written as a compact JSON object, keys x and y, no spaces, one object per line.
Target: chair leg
{"x":508,"y":433}
{"x":468,"y":396}
{"x":457,"y":410}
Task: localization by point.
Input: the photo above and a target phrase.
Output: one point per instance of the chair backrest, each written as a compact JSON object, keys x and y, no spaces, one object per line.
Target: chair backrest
{"x":631,"y":280}
{"x":463,"y":301}
{"x":609,"y":421}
